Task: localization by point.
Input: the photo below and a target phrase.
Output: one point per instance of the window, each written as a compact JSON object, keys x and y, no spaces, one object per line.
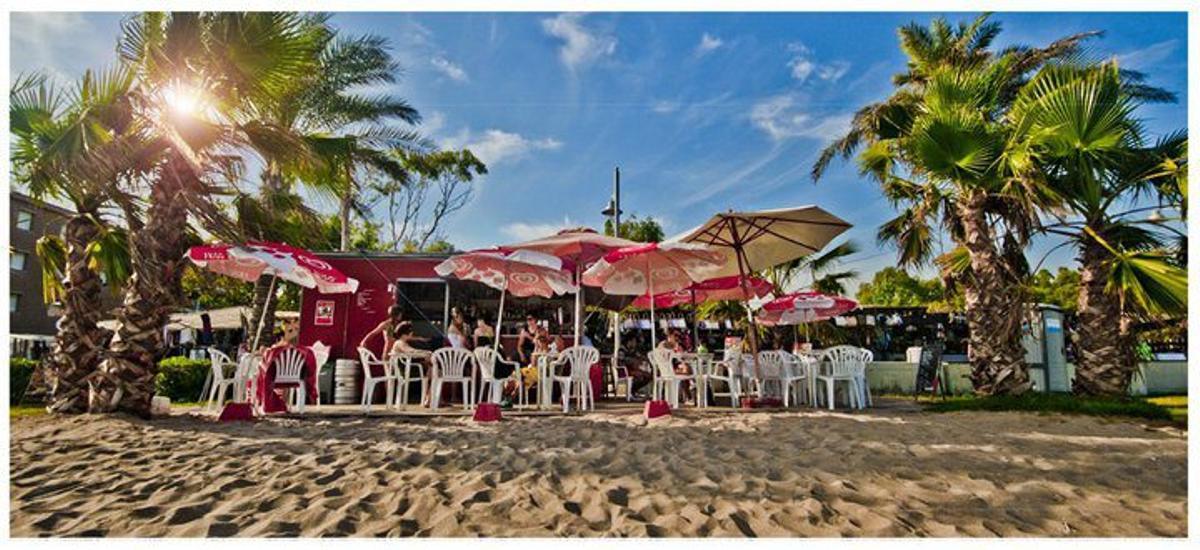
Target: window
{"x":24,"y":220}
{"x":14,"y":302}
{"x":16,"y":261}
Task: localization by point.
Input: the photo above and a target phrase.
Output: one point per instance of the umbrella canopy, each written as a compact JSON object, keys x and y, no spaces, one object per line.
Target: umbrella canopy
{"x":711,"y":290}
{"x":804,"y":307}
{"x":643,"y":268}
{"x":581,"y":246}
{"x":252,"y":260}
{"x":766,"y":238}
{"x":522,"y":273}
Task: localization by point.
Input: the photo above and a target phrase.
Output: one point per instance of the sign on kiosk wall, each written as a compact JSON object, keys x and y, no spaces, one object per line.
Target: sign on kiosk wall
{"x":323,"y":313}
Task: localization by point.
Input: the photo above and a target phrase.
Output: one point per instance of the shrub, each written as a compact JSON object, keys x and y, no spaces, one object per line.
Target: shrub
{"x":181,"y":378}
{"x":1053,"y":402}
{"x":20,"y":370}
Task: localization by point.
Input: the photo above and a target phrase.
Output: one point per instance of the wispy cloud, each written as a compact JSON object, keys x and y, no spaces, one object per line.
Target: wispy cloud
{"x":497,"y":146}
{"x":803,"y":64}
{"x":664,"y":107}
{"x":781,"y":118}
{"x":581,"y":45}
{"x":707,"y":44}
{"x":449,"y":68}
{"x":738,"y":176}
{"x":41,"y":39}
{"x":1146,"y":57}
{"x":522,"y":231}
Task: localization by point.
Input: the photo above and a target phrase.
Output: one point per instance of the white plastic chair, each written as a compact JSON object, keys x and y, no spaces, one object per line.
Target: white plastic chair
{"x":220,"y":382}
{"x":771,"y":364}
{"x":370,"y":381}
{"x":246,"y":378}
{"x":668,"y":383}
{"x":866,"y":357}
{"x":578,"y":382}
{"x":726,"y":371}
{"x":487,"y":358}
{"x":401,"y":365}
{"x":844,"y":362}
{"x":797,"y":376}
{"x":450,"y":366}
{"x":289,"y":373}
{"x":620,"y":376}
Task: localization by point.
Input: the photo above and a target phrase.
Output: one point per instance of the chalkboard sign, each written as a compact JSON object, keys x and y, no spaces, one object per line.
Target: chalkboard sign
{"x":929,"y":371}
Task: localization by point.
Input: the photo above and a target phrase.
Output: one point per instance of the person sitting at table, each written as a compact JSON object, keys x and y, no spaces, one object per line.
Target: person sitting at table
{"x":681,"y":367}
{"x":635,"y":363}
{"x":387,"y":328}
{"x":526,"y":339}
{"x":290,"y":333}
{"x":484,"y":335}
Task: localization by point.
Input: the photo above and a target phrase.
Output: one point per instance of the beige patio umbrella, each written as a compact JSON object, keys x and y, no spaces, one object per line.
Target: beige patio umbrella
{"x":764,"y":239}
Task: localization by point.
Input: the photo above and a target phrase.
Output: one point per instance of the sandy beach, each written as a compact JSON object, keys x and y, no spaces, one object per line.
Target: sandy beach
{"x":883,"y":473}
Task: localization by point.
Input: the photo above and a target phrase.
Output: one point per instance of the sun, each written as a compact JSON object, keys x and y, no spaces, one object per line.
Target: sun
{"x":183,"y":100}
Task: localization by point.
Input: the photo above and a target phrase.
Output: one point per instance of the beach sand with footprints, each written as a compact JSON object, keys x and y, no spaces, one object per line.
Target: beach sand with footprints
{"x":887,"y":472}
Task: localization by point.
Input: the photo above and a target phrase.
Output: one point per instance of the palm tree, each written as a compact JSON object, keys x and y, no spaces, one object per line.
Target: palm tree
{"x":1088,"y":148}
{"x":58,"y":141}
{"x":202,"y":81}
{"x":819,"y":268}
{"x":941,"y":150}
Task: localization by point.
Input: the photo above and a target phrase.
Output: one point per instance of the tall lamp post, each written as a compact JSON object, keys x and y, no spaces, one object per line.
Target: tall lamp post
{"x":613,"y":212}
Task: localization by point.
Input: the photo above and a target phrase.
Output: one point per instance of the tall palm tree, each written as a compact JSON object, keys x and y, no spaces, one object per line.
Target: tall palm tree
{"x":202,"y":81}
{"x":59,"y":139}
{"x":345,"y":128}
{"x":1087,"y":144}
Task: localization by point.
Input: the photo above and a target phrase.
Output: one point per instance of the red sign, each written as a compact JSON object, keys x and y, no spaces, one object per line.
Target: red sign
{"x":323,"y":313}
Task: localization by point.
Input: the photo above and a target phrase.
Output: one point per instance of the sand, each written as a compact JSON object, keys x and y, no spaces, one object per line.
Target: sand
{"x":883,"y":473}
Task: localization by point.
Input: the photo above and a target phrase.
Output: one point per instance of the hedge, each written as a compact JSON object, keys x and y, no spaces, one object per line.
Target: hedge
{"x":20,"y":370}
{"x":181,"y":378}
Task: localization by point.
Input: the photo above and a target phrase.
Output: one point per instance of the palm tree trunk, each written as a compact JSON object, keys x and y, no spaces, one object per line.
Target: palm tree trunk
{"x":994,"y":309}
{"x":125,"y":381}
{"x":79,"y":344}
{"x":1106,"y":361}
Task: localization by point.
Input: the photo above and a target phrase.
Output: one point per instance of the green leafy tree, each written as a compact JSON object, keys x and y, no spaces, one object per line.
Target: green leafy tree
{"x":1060,"y":288}
{"x":642,"y":230}
{"x":895,"y":287}
{"x":819,"y":268}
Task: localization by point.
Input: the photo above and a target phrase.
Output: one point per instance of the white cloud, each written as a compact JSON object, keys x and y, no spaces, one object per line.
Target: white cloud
{"x":707,"y":44}
{"x":430,"y":125}
{"x":803,"y":65}
{"x":41,"y":39}
{"x":1144,"y":58}
{"x":781,"y":119}
{"x":522,"y":231}
{"x":581,"y":45}
{"x":664,"y":107}
{"x":449,"y":68}
{"x":497,"y":146}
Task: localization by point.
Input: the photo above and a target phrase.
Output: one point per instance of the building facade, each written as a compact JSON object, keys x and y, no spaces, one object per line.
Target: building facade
{"x":28,"y":314}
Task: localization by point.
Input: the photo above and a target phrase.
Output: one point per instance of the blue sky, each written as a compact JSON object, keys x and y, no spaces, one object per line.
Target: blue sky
{"x":702,"y":112}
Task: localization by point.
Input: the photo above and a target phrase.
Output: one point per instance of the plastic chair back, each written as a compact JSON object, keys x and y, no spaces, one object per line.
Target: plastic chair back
{"x":289,"y":364}
{"x":581,"y":359}
{"x":451,"y":362}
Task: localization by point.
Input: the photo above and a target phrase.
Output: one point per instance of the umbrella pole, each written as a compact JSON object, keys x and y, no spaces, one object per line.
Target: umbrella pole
{"x":578,"y":306}
{"x":653,"y":323}
{"x":263,"y":318}
{"x":695,"y":324}
{"x":499,"y":317}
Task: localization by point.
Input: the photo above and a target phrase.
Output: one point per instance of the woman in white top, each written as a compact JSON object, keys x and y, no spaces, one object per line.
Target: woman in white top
{"x":456,"y":333}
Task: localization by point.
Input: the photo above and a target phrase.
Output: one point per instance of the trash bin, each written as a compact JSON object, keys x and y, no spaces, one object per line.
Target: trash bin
{"x":345,"y":382}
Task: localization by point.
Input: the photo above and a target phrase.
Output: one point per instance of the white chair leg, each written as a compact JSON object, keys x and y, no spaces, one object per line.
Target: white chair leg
{"x":391,"y":393}
{"x":829,"y":392}
{"x":435,"y":396}
{"x":301,"y":394}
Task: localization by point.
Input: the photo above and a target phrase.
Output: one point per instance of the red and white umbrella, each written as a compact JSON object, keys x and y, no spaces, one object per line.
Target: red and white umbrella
{"x":804,"y":307}
{"x":522,"y":273}
{"x":712,"y":290}
{"x":252,"y":260}
{"x":641,"y":269}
